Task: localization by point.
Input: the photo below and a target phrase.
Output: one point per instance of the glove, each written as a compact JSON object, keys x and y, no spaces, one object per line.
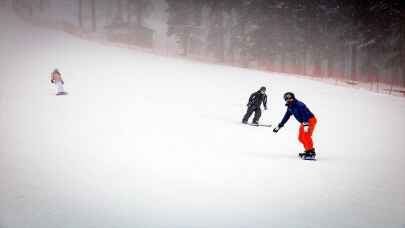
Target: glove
{"x":63,"y":82}
{"x":279,"y":126}
{"x":52,"y":81}
{"x":306,"y":127}
{"x":265,"y":108}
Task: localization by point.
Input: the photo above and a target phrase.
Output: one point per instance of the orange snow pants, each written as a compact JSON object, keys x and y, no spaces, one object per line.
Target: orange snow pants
{"x":306,"y":137}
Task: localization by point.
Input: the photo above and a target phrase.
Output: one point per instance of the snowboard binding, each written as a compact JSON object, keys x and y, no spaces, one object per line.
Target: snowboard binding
{"x":308,"y":155}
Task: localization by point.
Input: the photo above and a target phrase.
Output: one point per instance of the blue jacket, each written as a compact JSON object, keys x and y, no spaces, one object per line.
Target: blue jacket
{"x":300,"y":112}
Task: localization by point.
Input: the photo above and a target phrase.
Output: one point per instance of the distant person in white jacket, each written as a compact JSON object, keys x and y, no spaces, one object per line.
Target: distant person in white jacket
{"x":56,"y":79}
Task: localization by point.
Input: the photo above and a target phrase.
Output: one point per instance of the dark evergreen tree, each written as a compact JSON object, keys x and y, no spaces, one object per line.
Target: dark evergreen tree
{"x":184,"y":20}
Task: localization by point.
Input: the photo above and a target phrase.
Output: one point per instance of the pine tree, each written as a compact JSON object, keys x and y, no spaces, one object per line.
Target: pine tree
{"x":184,"y":20}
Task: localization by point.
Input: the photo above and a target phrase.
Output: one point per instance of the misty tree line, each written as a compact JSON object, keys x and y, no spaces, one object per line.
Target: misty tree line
{"x":360,"y":40}
{"x":118,"y":21}
{"x":352,"y":40}
{"x":128,"y":11}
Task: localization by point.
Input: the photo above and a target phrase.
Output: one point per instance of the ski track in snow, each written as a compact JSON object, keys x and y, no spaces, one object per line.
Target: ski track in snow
{"x":149,"y":141}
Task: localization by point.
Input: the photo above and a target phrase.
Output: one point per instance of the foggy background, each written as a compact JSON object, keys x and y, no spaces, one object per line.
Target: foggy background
{"x":350,"y":41}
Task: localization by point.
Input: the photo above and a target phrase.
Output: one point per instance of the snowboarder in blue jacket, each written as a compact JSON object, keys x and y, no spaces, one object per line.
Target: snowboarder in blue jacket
{"x":307,"y":119}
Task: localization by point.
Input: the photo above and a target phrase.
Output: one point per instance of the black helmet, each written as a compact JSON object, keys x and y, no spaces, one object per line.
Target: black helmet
{"x":263,"y":89}
{"x":288,"y":95}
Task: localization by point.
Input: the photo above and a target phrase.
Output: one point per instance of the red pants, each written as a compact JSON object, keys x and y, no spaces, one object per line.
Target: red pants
{"x":306,"y":138}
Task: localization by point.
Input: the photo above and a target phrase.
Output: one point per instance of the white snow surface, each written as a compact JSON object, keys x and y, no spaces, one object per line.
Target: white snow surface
{"x":152,"y":142}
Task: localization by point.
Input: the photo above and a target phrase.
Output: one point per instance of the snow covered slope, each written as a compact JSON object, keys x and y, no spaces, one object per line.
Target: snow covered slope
{"x":147,"y":141}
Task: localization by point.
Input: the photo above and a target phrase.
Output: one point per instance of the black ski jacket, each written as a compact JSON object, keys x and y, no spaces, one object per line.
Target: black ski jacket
{"x":256,"y":100}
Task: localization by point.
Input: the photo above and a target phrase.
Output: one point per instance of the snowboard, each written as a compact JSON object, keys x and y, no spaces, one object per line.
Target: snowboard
{"x":62,"y":93}
{"x":309,"y":158}
{"x":259,"y":125}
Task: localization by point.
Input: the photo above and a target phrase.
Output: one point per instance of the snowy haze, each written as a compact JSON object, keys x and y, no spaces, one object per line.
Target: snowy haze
{"x":148,"y":141}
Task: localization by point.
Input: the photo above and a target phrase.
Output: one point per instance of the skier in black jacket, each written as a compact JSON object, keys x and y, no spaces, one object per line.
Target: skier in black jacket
{"x":255,"y":101}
